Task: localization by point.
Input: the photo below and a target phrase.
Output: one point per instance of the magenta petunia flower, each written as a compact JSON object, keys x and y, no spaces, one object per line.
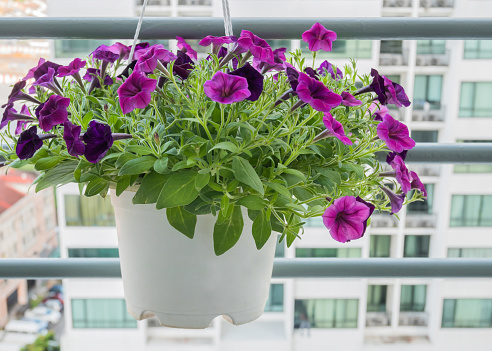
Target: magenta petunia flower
{"x":140,"y":48}
{"x":402,"y":173}
{"x":333,"y":129}
{"x":71,"y":135}
{"x":318,"y":37}
{"x":122,"y":50}
{"x":135,"y":92}
{"x":254,"y":78}
{"x":328,"y":67}
{"x":258,"y":47}
{"x":217,"y":42}
{"x":378,"y":111}
{"x":387,"y":91}
{"x":226,"y":88}
{"x":349,"y":100}
{"x":316,"y":94}
{"x":30,"y":73}
{"x":105,"y":53}
{"x":277,"y":65}
{"x":73,"y":67}
{"x":396,"y":200}
{"x":17,"y":94}
{"x":347,"y":218}
{"x":98,"y":140}
{"x":395,"y":134}
{"x":147,"y":62}
{"x":10,"y":114}
{"x":417,"y":184}
{"x":52,"y":112}
{"x":391,"y":156}
{"x":186,"y":48}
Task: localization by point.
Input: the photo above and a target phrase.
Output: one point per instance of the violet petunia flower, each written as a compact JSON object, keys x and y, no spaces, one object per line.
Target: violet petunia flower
{"x":387,"y":91}
{"x":29,"y":142}
{"x":126,"y":71}
{"x":226,"y":89}
{"x":140,"y":48}
{"x":17,"y":94}
{"x":259,"y":48}
{"x":417,"y":184}
{"x":52,"y":112}
{"x":92,"y":75}
{"x":333,"y":129}
{"x":328,"y":67}
{"x":182,"y":65}
{"x":30,"y":73}
{"x":48,"y":81}
{"x":148,"y":61}
{"x":135,"y":92}
{"x":73,"y":67}
{"x":318,"y":37}
{"x":10,"y":114}
{"x":316,"y":94}
{"x":349,"y":100}
{"x":396,"y":200}
{"x":122,"y":50}
{"x":71,"y":135}
{"x":186,"y":48}
{"x":401,"y":173}
{"x":277,"y":65}
{"x":217,"y":42}
{"x":254,"y":79}
{"x":378,"y":111}
{"x":98,"y":140}
{"x":43,"y":69}
{"x":391,"y":156}
{"x":347,"y":218}
{"x":395,"y":134}
{"x":105,"y":53}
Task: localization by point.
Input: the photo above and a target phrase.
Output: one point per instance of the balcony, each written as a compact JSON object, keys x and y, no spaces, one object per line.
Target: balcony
{"x":378,"y":319}
{"x":397,"y":3}
{"x":427,"y":170}
{"x":383,"y":221}
{"x":394,"y":59}
{"x":421,"y":220}
{"x":155,"y":3}
{"x":428,"y":111}
{"x":432,"y":57}
{"x":412,"y":318}
{"x":195,"y":2}
{"x":436,"y":3}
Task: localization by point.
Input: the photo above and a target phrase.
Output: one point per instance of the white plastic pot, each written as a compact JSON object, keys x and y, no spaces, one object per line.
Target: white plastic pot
{"x":180,"y":280}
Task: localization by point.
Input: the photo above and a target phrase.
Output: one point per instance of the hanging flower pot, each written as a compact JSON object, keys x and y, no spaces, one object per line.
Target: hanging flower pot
{"x":209,"y":158}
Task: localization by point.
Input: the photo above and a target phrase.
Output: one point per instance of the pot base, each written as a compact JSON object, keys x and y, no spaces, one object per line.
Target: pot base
{"x":174,"y":320}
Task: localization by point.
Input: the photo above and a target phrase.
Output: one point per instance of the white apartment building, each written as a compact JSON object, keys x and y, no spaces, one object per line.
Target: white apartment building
{"x":450,"y":85}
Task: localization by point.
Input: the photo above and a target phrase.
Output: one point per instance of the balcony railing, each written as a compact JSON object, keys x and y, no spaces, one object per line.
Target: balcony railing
{"x":430,"y":58}
{"x":195,"y":2}
{"x":421,"y":220}
{"x":154,"y":2}
{"x":378,"y":319}
{"x":383,"y":221}
{"x":397,"y":3}
{"x":436,"y":3}
{"x":428,"y":115}
{"x":427,"y":170}
{"x":410,"y":318}
{"x":393,"y":58}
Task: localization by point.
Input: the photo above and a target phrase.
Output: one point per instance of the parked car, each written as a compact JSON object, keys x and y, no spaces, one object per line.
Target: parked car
{"x":55,"y":296}
{"x":54,"y":304}
{"x":27,"y":326}
{"x":58,"y":288}
{"x":43,"y":313}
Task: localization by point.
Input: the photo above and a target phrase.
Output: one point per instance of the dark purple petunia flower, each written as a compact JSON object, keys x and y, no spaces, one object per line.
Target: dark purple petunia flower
{"x":17,"y":94}
{"x":378,"y":111}
{"x":254,"y":79}
{"x":417,"y":184}
{"x":402,"y":173}
{"x":258,"y":47}
{"x":333,"y":129}
{"x":217,"y":42}
{"x":43,"y":69}
{"x":52,"y":112}
{"x":48,"y":81}
{"x":226,"y":89}
{"x":122,"y":50}
{"x":92,"y":74}
{"x":328,"y":67}
{"x":30,"y":74}
{"x":292,"y":76}
{"x":277,"y":65}
{"x":73,"y":67}
{"x":183,"y":65}
{"x":318,"y":37}
{"x":347,"y":218}
{"x":387,"y":91}
{"x":371,"y":210}
{"x":10,"y":114}
{"x":391,"y":156}
{"x":135,"y":92}
{"x":71,"y":135}
{"x":29,"y":142}
{"x":396,"y":200}
{"x":395,"y":134}
{"x":126,"y":71}
{"x":349,"y":100}
{"x":148,"y":61}
{"x":186,"y":48}
{"x":98,"y":140}
{"x":105,"y":53}
{"x":316,"y":94}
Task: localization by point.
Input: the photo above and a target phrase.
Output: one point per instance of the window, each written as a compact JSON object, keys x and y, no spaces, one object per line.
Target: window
{"x":473,"y":168}
{"x":395,"y":78}
{"x":314,"y":222}
{"x":413,"y":298}
{"x":101,"y":313}
{"x":93,"y":252}
{"x":475,"y":99}
{"x":280,"y":248}
{"x":280,"y":43}
{"x":416,"y":246}
{"x":380,"y":246}
{"x":422,"y":206}
{"x":467,"y":313}
{"x":275,"y":302}
{"x":391,"y":47}
{"x":431,"y":47}
{"x":361,"y":49}
{"x":88,"y":211}
{"x":376,"y":298}
{"x":427,"y":92}
{"x":326,"y":313}
{"x":425,"y":136}
{"x":470,"y":253}
{"x":471,"y":211}
{"x":77,"y":47}
{"x":478,"y":49}
{"x":329,"y":252}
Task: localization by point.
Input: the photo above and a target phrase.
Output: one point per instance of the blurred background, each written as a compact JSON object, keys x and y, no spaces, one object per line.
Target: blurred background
{"x":450,"y":86}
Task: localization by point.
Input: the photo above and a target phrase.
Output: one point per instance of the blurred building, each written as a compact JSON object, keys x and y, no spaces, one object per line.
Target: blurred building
{"x":27,"y":230}
{"x":450,"y":84}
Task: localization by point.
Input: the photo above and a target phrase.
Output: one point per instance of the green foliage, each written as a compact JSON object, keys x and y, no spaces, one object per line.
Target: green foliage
{"x":43,"y":343}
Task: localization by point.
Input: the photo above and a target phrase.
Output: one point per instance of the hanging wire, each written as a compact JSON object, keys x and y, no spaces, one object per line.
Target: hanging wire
{"x":137,"y":31}
{"x":227,"y":17}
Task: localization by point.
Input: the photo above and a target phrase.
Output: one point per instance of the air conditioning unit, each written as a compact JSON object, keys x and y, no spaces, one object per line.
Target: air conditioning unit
{"x":377,"y":319}
{"x":417,"y":115}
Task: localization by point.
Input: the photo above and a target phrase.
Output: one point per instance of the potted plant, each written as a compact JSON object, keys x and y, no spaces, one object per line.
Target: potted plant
{"x":206,"y":160}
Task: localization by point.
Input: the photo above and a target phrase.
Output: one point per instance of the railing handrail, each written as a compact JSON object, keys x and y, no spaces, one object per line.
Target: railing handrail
{"x":268,"y":28}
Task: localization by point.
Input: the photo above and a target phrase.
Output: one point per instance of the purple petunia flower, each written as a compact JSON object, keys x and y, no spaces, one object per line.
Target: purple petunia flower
{"x":98,"y":140}
{"x":226,"y":89}
{"x":10,"y":114}
{"x":391,"y":156}
{"x":347,"y":218}
{"x":254,"y":79}
{"x":71,"y":135}
{"x":277,"y":65}
{"x":140,"y":48}
{"x":91,"y":75}
{"x":349,"y":100}
{"x":52,"y":112}
{"x":328,"y":67}
{"x":147,"y":62}
{"x":135,"y":92}
{"x":30,"y":73}
{"x":48,"y":81}
{"x":318,"y":37}
{"x":395,"y":134}
{"x":186,"y":48}
{"x":73,"y":67}
{"x":378,"y":111}
{"x":258,"y":47}
{"x":29,"y":142}
{"x":402,"y":173}
{"x":333,"y":129}
{"x":43,"y":69}
{"x":105,"y":53}
{"x":217,"y":42}
{"x":396,"y":200}
{"x":417,"y":184}
{"x":387,"y":91}
{"x":17,"y":94}
{"x":316,"y":94}
{"x":122,"y":50}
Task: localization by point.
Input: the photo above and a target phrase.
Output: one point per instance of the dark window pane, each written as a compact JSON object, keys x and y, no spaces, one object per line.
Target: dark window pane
{"x":275,"y":302}
{"x":376,"y":298}
{"x":467,"y":313}
{"x":326,"y":313}
{"x":416,"y":246}
{"x":424,"y":136}
{"x":88,"y":211}
{"x":413,"y":298}
{"x":380,"y":246}
{"x":101,"y":313}
{"x":93,"y":252}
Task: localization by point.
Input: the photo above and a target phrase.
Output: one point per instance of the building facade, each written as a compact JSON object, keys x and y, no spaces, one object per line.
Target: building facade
{"x":450,"y":84}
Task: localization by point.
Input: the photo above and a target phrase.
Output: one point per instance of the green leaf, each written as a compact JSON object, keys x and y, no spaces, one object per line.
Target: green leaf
{"x":227,"y":231}
{"x":246,"y":174}
{"x":252,"y":202}
{"x":150,"y":188}
{"x":179,"y":190}
{"x":95,"y":186}
{"x":295,"y":173}
{"x":226,"y":145}
{"x":182,"y":220}
{"x":139,"y":149}
{"x":201,"y":180}
{"x":86,"y":119}
{"x":59,"y":175}
{"x":262,"y":230}
{"x":357,"y":169}
{"x":137,"y":166}
{"x":124,"y":159}
{"x":47,"y":163}
{"x":330,"y":174}
{"x":279,"y":188}
{"x":122,"y":185}
{"x":160,"y":165}
{"x":224,"y":203}
{"x":19,"y":163}
{"x":93,"y":100}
